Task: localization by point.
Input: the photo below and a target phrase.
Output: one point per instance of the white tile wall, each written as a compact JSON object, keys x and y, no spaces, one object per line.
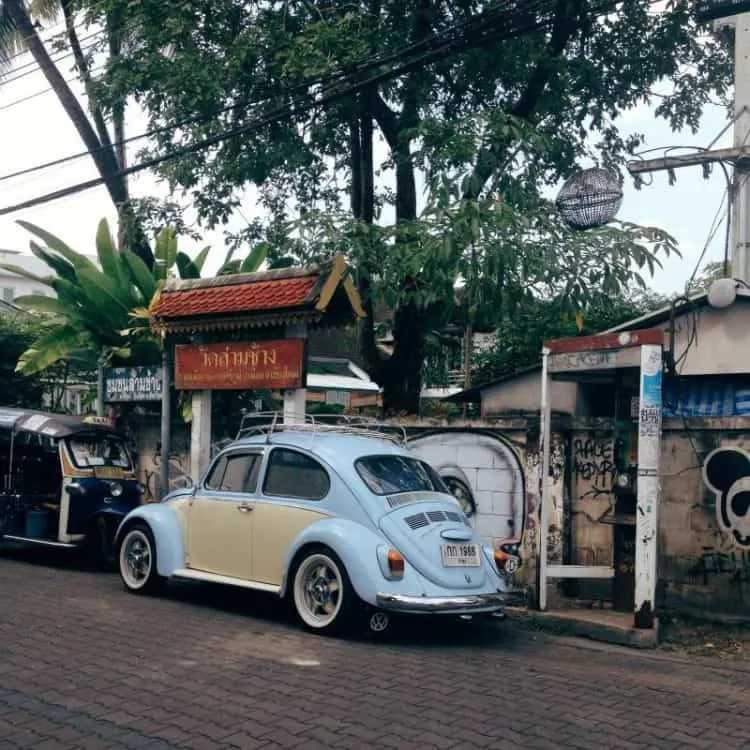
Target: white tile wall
{"x":491,"y":468}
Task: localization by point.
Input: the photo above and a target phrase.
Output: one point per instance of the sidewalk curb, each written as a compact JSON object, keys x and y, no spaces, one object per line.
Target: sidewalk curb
{"x":581,"y":626}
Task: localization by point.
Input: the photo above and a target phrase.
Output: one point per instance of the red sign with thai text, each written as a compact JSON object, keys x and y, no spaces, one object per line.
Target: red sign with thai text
{"x":240,"y":365}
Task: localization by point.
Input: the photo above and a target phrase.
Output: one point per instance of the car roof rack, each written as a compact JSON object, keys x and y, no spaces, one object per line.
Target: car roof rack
{"x":270,"y":422}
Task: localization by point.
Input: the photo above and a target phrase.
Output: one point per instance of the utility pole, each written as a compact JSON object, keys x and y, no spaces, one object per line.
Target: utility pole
{"x":724,"y":13}
{"x":740,"y":256}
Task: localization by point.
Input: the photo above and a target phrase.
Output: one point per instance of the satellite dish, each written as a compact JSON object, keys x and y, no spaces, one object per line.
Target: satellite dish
{"x":590,"y":198}
{"x":722,"y":293}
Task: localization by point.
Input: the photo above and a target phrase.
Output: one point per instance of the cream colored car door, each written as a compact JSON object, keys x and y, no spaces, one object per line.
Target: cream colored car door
{"x":220,"y":517}
{"x":294,"y":486}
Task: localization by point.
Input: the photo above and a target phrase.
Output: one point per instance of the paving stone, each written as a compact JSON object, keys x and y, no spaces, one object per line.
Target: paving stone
{"x":202,"y":669}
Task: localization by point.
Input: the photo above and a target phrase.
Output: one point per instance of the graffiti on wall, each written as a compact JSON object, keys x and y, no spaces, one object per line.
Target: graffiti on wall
{"x":733,"y":565}
{"x":726,"y":473}
{"x":594,"y":461}
{"x":555,"y":539}
{"x":485,"y":473}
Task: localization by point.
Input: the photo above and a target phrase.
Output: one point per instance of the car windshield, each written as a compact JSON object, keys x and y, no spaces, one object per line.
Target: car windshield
{"x":389,"y":475}
{"x":90,"y":450}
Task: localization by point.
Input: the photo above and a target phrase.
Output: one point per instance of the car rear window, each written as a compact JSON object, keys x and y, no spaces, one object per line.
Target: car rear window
{"x":389,"y":475}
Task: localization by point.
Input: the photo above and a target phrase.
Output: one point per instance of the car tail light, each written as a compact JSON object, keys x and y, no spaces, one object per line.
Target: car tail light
{"x":501,"y":558}
{"x":395,"y":563}
{"x":506,"y":563}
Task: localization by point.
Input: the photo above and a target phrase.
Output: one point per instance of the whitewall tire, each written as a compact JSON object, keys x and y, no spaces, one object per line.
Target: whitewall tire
{"x":137,"y":560}
{"x":323,"y":597}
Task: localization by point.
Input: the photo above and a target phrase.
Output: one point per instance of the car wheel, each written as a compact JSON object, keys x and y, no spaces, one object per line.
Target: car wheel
{"x":137,"y":561}
{"x":323,"y":596}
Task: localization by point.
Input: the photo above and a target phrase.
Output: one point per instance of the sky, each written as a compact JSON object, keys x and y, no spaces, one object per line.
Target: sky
{"x":37,"y":130}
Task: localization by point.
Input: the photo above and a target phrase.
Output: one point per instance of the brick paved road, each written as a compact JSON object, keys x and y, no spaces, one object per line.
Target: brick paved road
{"x":84,"y":665}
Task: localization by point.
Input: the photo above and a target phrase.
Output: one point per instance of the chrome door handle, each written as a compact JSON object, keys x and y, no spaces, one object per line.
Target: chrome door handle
{"x":244,"y":508}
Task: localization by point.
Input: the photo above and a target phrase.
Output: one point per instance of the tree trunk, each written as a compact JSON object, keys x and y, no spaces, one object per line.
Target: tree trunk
{"x":363,"y":208}
{"x":114,"y":37}
{"x":103,"y":156}
{"x":103,"y":159}
{"x":402,"y":384}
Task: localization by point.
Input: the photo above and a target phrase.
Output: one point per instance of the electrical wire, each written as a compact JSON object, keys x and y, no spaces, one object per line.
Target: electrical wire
{"x":357,"y":68}
{"x":714,"y":227}
{"x":35,"y":66}
{"x":28,"y":97}
{"x":325,"y":97}
{"x":22,"y":42}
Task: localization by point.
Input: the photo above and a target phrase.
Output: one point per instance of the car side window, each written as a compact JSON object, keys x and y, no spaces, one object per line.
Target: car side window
{"x":235,"y":472}
{"x":293,"y":474}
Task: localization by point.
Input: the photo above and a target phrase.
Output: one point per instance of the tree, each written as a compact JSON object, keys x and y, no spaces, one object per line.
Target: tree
{"x":518,"y":344}
{"x":17,"y":331}
{"x":102,"y":313}
{"x":492,"y":114}
{"x":710,"y":273}
{"x":18,"y":33}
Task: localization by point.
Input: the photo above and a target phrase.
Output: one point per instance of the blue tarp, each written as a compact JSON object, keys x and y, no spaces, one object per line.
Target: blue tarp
{"x":705,"y":398}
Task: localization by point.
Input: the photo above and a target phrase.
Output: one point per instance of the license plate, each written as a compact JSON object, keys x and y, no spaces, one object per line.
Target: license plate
{"x":460,"y":555}
{"x":109,"y":472}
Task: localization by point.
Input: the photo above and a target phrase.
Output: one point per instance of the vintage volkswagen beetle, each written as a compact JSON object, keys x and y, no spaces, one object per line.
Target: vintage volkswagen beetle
{"x":331,"y":518}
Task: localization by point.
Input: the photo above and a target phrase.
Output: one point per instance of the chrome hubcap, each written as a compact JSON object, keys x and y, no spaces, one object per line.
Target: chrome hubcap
{"x":136,"y":556}
{"x":318,"y":591}
{"x":322,"y":589}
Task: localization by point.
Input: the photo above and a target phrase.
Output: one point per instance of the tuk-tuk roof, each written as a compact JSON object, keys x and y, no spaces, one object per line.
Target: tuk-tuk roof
{"x":46,"y":423}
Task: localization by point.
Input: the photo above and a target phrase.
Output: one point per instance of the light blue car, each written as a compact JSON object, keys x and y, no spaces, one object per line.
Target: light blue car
{"x":345,"y":523}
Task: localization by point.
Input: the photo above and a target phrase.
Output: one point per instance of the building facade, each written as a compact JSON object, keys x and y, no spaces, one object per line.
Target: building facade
{"x":704,"y":506}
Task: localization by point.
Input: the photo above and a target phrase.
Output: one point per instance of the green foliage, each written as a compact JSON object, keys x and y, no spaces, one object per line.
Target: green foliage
{"x":519,"y":339}
{"x":16,"y":334}
{"x":491,"y":128}
{"x":103,"y":313}
{"x":710,"y":273}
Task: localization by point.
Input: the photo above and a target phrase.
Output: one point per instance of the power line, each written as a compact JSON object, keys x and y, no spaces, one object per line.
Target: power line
{"x":23,"y":40}
{"x":359,"y":67}
{"x":290,"y":110}
{"x":35,"y":66}
{"x":36,"y":94}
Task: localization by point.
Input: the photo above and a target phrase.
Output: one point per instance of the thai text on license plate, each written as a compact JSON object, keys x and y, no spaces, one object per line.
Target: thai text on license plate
{"x":460,"y":555}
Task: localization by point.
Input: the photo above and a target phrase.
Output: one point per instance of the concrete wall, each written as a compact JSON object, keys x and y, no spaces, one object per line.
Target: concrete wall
{"x":716,"y":341}
{"x":702,"y":564}
{"x":524,"y":394}
{"x":499,"y":462}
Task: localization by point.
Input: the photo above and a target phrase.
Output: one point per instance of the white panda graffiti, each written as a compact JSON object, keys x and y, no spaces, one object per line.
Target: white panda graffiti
{"x":726,"y":472}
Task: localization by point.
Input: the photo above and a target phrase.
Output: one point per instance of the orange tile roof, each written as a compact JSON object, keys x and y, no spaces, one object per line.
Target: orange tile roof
{"x":249,"y":297}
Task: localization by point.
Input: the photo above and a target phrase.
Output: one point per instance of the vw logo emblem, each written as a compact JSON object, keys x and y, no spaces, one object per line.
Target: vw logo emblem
{"x":467,"y":577}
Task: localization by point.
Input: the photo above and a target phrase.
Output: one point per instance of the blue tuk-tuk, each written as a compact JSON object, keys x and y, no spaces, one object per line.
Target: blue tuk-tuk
{"x":67,"y":481}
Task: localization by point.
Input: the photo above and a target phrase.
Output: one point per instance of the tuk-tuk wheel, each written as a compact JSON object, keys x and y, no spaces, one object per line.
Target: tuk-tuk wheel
{"x":99,"y":547}
{"x":137,"y":560}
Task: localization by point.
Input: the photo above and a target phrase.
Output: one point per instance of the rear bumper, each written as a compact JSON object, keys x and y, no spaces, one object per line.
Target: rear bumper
{"x":441,"y":604}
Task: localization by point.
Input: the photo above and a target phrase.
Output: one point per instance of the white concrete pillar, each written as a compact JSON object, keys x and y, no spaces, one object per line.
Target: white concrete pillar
{"x":545,"y":498}
{"x":200,"y":434}
{"x":648,"y":487}
{"x":295,"y":399}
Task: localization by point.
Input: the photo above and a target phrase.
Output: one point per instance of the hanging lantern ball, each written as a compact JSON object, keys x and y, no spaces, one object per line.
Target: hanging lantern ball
{"x":590,"y":198}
